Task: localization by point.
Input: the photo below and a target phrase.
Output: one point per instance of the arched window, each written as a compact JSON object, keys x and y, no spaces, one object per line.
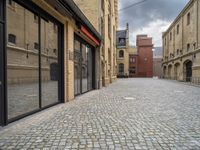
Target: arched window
{"x":121,"y":54}
{"x":121,"y":69}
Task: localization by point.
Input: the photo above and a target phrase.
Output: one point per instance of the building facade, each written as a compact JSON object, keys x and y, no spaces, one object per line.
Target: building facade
{"x":134,"y":61}
{"x":103,"y":14}
{"x":122,"y":41}
{"x":145,"y":56}
{"x":157,"y":62}
{"x":181,"y":41}
{"x":50,"y":52}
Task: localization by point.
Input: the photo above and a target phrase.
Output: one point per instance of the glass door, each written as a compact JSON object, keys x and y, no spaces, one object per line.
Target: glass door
{"x":49,"y":63}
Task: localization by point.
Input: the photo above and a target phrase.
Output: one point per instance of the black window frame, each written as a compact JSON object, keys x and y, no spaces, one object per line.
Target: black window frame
{"x":31,"y":6}
{"x":3,"y":102}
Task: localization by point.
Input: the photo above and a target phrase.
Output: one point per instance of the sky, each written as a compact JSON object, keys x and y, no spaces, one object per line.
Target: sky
{"x":151,"y":17}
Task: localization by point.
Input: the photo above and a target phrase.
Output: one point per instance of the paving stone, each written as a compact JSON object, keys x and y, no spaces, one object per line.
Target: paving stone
{"x":154,"y":116}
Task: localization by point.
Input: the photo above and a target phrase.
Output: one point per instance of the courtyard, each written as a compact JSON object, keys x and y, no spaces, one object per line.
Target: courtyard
{"x":129,"y":114}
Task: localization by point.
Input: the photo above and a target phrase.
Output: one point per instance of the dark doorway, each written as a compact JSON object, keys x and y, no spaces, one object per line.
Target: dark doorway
{"x":54,"y":69}
{"x":188,"y":71}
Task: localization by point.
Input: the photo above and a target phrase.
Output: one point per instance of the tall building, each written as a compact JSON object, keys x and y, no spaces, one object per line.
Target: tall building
{"x":145,"y":56}
{"x":122,"y":41}
{"x":49,"y":53}
{"x":181,"y":41}
{"x":103,"y":14}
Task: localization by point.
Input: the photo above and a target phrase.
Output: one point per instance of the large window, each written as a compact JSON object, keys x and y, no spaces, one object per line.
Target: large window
{"x":33,"y":72}
{"x":83,"y":67}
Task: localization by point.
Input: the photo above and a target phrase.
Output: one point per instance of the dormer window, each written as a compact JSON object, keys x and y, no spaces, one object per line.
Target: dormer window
{"x":122,"y":40}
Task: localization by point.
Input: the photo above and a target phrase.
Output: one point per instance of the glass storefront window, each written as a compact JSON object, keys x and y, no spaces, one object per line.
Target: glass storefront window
{"x":22,"y":61}
{"x":77,"y":68}
{"x":33,"y":70}
{"x":83,"y":67}
{"x":49,"y":62}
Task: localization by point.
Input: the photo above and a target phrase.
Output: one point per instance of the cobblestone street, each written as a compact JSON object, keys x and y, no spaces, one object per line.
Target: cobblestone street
{"x":129,"y":114}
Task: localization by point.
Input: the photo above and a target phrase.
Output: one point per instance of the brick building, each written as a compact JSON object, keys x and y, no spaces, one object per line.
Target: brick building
{"x":145,"y":56}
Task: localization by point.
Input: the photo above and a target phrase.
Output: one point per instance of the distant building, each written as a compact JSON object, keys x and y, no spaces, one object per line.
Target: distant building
{"x":157,"y":62}
{"x":134,"y":61}
{"x":145,"y":56}
{"x":122,"y":52}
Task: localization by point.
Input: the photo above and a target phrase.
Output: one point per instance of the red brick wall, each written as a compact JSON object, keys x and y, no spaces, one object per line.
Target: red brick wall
{"x":145,"y":57}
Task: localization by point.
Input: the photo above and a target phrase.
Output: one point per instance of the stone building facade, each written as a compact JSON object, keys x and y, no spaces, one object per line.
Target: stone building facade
{"x":181,"y":41}
{"x":50,"y":52}
{"x":123,"y":52}
{"x":103,"y":14}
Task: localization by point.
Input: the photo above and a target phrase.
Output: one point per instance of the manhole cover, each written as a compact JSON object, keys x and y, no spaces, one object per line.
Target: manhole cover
{"x":129,"y":98}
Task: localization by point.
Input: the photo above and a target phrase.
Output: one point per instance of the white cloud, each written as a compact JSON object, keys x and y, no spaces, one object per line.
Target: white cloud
{"x":154,"y":29}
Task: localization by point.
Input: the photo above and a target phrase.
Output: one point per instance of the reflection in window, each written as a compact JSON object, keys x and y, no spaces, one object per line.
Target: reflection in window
{"x":36,"y":46}
{"x":84,"y":68}
{"x":49,"y":63}
{"x":22,"y":72}
{"x":12,"y":38}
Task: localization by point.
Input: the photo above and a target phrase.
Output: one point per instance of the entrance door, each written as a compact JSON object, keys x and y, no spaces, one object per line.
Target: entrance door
{"x":188,"y":71}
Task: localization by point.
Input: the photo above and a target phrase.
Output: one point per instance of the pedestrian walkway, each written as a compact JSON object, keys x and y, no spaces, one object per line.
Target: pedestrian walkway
{"x":129,"y":114}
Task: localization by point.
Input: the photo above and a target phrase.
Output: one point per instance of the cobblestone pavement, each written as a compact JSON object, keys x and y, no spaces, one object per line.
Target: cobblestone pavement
{"x":129,"y":114}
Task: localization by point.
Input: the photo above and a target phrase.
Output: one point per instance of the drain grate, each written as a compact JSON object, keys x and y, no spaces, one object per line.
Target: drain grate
{"x":129,"y":98}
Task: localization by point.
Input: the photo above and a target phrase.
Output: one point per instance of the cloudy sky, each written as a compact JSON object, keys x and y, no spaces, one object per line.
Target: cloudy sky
{"x":151,"y":17}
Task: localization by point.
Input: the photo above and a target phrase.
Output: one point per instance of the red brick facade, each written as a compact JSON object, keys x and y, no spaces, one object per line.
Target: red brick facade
{"x":145,"y":56}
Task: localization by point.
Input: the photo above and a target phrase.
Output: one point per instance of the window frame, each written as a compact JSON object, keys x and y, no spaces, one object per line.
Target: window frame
{"x":121,"y":55}
{"x":10,"y":40}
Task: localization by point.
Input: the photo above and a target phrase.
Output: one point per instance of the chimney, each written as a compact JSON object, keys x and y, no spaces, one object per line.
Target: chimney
{"x":127,"y":26}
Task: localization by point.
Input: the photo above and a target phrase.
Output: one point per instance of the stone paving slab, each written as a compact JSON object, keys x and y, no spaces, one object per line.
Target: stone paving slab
{"x":136,"y":114}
